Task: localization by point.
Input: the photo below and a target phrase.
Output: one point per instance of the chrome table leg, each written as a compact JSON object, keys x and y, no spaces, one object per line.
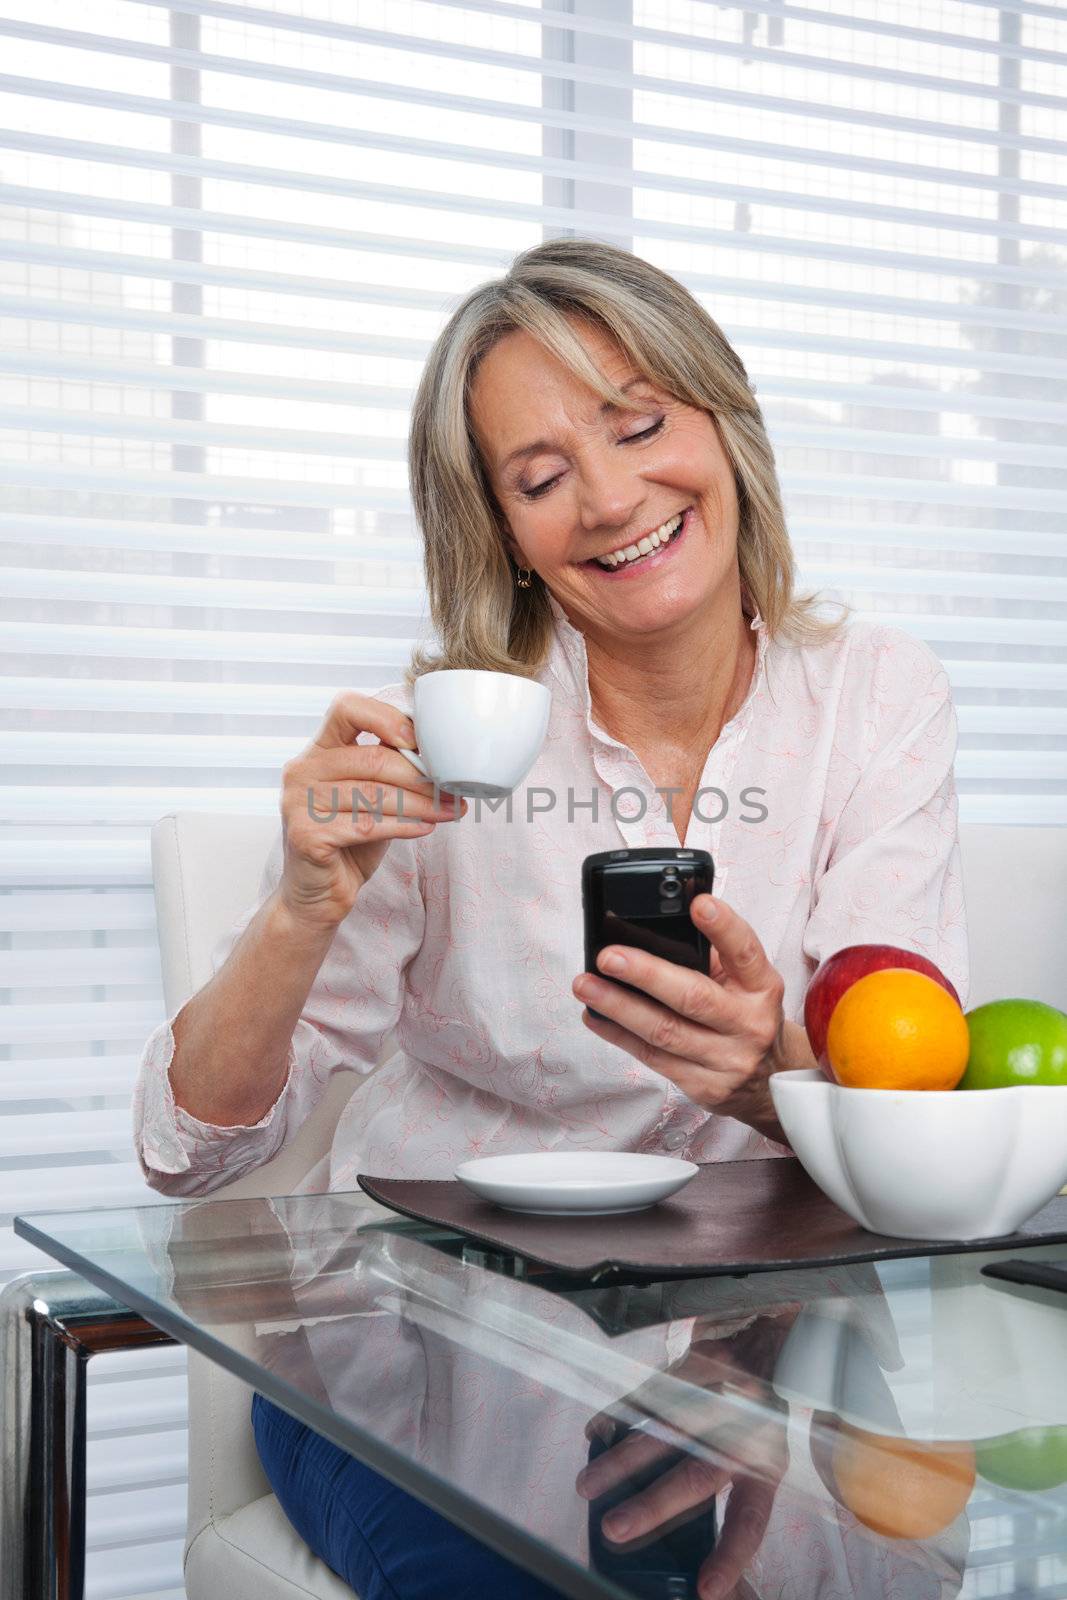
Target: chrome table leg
{"x":50,"y":1325}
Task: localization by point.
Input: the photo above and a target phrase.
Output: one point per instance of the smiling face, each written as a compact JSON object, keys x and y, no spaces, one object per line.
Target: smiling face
{"x":577,"y":480}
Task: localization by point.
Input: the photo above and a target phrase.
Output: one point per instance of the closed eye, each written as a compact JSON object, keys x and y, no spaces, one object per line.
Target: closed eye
{"x":646,"y":433}
{"x":540,"y":489}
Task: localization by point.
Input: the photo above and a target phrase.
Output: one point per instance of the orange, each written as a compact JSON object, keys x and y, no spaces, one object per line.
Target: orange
{"x":900,"y":1487}
{"x":897,"y":1029}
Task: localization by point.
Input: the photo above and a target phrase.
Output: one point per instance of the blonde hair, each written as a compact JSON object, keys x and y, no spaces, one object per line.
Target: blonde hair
{"x":481,"y":617}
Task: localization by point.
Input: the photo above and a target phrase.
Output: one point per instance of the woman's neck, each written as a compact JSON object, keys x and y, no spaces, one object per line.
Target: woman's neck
{"x":674,"y":695}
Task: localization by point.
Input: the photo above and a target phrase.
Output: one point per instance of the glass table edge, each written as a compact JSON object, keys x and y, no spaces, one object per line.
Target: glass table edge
{"x":506,"y":1539}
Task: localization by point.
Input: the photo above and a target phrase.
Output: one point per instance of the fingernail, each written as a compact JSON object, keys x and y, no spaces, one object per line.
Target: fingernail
{"x":611,"y":961}
{"x":712,"y":1588}
{"x":617,"y":1525}
{"x":709,"y":908}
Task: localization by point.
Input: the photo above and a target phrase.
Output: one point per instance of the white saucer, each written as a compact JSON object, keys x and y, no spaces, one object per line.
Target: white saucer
{"x":575,"y":1183}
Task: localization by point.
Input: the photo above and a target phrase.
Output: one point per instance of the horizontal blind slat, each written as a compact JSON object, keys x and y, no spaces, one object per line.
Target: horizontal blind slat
{"x":209,"y":170}
{"x":101,"y":862}
{"x":283,"y":386}
{"x":76,"y":913}
{"x":540,"y":65}
{"x":167,"y":589}
{"x":508,"y":160}
{"x":204,"y":699}
{"x":74,"y":1133}
{"x":278,"y":72}
{"x":367,"y":652}
{"x":168,"y":750}
{"x":196,"y":380}
{"x":88,"y":1021}
{"x":34,"y":969}
{"x":599,"y":27}
{"x":628,"y":228}
{"x":95,"y":1184}
{"x":114,"y":1464}
{"x":346,"y":446}
{"x":68,"y":1077}
{"x":213,"y":274}
{"x":67,"y":805}
{"x":224,"y":435}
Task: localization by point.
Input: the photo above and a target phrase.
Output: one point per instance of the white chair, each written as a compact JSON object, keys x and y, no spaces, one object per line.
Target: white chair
{"x":207,"y":872}
{"x":239,"y":1543}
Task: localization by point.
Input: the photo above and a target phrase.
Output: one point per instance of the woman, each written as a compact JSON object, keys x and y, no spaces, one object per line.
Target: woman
{"x":598,"y":501}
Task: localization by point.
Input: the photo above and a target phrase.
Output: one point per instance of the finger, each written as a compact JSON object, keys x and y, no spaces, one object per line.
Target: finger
{"x":665,"y":1025}
{"x":742,"y":955}
{"x":319,"y":841}
{"x":685,"y":1488}
{"x":638,"y":1450}
{"x":351,"y":714}
{"x":327,"y":799}
{"x":698,"y":1082}
{"x":678,"y":989}
{"x":358,"y":763}
{"x":744,"y":1526}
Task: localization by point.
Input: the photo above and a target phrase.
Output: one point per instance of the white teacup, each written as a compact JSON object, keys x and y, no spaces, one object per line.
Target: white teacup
{"x":479,"y":733}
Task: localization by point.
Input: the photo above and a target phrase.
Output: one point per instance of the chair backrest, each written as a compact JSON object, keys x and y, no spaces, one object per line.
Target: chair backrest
{"x":206,"y":871}
{"x":1015,"y":886}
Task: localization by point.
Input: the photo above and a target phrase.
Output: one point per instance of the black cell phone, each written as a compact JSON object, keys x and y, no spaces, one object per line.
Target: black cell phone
{"x":1039,"y":1274}
{"x":663,"y":1568}
{"x":642,"y":898}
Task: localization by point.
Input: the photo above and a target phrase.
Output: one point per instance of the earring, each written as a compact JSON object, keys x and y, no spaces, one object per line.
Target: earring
{"x":523,"y":578}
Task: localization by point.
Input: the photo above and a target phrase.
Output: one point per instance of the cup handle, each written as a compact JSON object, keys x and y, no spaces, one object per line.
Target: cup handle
{"x":417,"y":761}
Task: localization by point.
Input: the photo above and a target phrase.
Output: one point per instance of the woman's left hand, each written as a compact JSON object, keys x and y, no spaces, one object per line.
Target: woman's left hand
{"x":717,"y":1422}
{"x":718,"y":1036}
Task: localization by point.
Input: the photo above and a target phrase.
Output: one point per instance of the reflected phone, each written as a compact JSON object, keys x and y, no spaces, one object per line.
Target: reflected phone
{"x":642,"y":898}
{"x":665,"y":1567}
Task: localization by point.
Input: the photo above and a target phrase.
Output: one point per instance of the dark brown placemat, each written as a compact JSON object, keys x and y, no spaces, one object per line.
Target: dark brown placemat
{"x":735,"y":1216}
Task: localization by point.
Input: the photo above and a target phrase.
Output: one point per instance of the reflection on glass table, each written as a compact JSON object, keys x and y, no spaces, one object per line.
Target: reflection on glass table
{"x":894,"y":1429}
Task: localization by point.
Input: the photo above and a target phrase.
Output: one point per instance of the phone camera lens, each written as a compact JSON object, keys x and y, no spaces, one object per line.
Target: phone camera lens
{"x":670,"y":886}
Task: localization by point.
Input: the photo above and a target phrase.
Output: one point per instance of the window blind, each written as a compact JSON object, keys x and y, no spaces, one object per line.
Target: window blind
{"x":228,"y":236}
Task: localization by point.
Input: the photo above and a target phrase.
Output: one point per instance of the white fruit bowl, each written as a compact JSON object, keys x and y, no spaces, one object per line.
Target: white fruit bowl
{"x":928,"y":1164}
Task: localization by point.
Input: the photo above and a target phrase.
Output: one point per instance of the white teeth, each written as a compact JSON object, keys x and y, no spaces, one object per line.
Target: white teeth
{"x":644,"y":546}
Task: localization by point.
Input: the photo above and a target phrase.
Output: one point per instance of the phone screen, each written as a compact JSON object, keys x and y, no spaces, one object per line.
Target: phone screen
{"x":672,"y":937}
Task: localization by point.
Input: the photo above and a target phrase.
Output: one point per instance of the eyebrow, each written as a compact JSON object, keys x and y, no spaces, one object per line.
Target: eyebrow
{"x":525,"y":451}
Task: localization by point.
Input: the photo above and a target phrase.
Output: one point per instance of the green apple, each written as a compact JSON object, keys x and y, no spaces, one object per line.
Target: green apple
{"x":1033,"y":1458}
{"x":1013,"y":1042}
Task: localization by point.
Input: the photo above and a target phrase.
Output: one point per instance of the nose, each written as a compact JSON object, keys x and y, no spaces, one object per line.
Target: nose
{"x":609,"y":492}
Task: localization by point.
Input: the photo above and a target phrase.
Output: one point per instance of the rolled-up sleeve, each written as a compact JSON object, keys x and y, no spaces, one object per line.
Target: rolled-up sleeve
{"x":346,"y":1023}
{"x":893,"y":872}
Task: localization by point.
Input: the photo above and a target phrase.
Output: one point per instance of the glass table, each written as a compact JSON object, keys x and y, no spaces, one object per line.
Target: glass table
{"x":897,"y":1429}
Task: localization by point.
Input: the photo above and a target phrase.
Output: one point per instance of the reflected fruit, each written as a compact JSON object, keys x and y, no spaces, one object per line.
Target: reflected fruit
{"x":901,"y":1488}
{"x":1033,"y":1458}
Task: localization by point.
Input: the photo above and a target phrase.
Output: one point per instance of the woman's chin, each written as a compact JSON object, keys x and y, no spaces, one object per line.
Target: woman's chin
{"x":654,"y":608}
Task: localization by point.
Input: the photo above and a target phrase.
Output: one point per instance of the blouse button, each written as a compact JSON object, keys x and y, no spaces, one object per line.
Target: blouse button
{"x":674,"y":1140}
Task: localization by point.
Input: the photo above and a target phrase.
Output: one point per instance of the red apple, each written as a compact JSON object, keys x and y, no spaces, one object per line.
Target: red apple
{"x":841,"y":970}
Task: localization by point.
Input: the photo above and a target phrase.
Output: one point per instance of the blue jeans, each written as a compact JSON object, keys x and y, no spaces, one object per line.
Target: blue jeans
{"x":382,"y":1542}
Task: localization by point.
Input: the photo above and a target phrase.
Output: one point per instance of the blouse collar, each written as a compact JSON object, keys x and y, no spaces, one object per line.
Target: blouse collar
{"x":569,"y":661}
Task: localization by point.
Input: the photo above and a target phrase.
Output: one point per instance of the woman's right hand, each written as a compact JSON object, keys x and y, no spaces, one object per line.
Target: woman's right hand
{"x":327,"y":862}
